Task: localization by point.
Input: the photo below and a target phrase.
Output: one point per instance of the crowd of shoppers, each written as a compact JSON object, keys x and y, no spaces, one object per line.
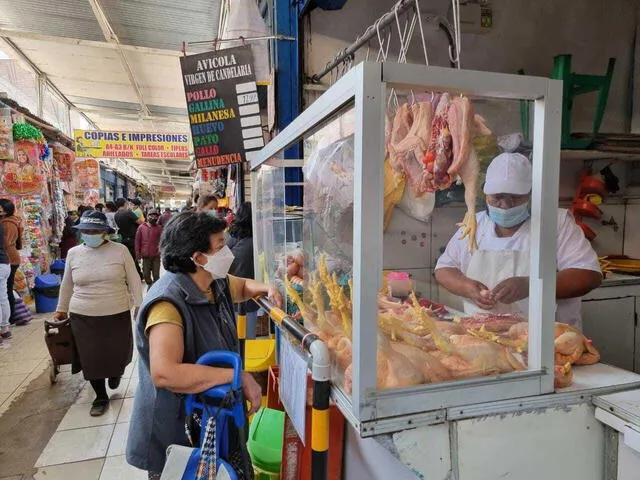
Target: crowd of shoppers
{"x":187,"y":312}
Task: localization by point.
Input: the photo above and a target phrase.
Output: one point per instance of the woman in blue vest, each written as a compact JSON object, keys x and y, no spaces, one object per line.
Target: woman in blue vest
{"x":187,"y":313}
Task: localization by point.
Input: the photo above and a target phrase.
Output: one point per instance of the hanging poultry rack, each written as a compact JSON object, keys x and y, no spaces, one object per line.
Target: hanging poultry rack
{"x":402,"y":7}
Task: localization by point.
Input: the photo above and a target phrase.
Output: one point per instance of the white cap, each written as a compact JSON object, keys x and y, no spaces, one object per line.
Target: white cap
{"x":508,"y":173}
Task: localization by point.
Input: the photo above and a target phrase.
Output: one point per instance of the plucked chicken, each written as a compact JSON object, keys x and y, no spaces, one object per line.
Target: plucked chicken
{"x":431,"y":145}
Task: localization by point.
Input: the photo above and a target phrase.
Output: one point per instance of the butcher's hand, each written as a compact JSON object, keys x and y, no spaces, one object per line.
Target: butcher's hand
{"x":511,"y":290}
{"x":59,"y":316}
{"x":252,"y":392}
{"x":480,"y":294}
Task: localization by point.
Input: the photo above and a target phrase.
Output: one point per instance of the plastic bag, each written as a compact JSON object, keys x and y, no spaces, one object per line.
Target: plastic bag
{"x":419,"y":208}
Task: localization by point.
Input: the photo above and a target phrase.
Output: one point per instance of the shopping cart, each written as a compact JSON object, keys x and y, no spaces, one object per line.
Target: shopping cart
{"x":59,"y":340}
{"x":226,"y":405}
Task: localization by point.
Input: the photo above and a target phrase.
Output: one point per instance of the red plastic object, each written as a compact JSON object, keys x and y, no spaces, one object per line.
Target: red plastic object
{"x":590,"y":184}
{"x":583,"y":208}
{"x":296,"y":456}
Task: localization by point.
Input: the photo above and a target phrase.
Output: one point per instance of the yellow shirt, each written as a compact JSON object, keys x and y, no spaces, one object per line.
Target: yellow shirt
{"x":166,"y":312}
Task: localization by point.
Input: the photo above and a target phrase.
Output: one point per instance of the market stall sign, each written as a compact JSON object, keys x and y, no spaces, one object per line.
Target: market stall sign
{"x":134,"y":145}
{"x":222,"y":101}
{"x":167,"y":189}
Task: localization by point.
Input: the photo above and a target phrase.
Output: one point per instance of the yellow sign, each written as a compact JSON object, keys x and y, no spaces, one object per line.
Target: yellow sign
{"x":134,"y":145}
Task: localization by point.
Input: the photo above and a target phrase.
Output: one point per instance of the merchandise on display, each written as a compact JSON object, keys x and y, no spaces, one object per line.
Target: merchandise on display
{"x":86,"y":174}
{"x":433,"y":153}
{"x":6,"y":133}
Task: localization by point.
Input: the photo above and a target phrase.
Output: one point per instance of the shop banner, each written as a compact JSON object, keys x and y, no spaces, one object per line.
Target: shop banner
{"x":222,"y":101}
{"x":64,"y":159}
{"x":134,"y":145}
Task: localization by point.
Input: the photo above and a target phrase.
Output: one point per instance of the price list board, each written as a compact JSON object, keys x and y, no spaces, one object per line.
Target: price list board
{"x":222,"y":102}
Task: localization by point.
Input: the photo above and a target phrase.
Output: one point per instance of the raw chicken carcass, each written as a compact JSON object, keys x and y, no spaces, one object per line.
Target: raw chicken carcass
{"x":460,"y":118}
{"x":407,"y":153}
{"x":439,"y":154}
{"x":394,"y":369}
{"x":496,"y":323}
{"x":400,"y":128}
{"x":572,"y":346}
{"x":430,"y":367}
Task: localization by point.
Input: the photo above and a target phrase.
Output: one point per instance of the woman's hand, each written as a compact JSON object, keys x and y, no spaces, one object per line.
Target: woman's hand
{"x":511,"y":290}
{"x":479,"y":294}
{"x":273,"y":295}
{"x":252,"y":392}
{"x":59,"y":316}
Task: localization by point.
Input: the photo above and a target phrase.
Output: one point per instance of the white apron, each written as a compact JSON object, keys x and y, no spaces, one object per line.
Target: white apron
{"x":490,"y":267}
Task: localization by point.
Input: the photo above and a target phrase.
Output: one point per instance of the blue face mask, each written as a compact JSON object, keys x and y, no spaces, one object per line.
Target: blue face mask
{"x":510,"y":217}
{"x":93,"y":241}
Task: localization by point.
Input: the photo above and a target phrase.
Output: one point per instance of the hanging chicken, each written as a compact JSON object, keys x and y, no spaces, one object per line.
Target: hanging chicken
{"x":431,"y":144}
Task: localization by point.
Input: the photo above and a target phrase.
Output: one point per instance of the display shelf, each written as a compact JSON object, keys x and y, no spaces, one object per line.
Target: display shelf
{"x":344,"y":240}
{"x":597,"y":155}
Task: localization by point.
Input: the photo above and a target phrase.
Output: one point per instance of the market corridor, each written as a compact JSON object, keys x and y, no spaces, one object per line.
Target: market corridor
{"x":46,"y":431}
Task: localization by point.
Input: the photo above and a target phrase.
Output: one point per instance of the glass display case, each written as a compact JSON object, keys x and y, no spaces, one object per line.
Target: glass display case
{"x":382,"y":148}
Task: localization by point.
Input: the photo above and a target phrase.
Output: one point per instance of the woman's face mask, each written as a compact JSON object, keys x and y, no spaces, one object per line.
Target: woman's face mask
{"x":94,"y":240}
{"x":510,"y":217}
{"x":219,"y":263}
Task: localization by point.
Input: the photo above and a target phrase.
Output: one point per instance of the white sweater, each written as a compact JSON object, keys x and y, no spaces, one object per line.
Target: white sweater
{"x":99,"y":281}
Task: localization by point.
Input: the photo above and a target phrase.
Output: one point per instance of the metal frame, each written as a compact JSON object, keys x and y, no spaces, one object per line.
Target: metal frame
{"x":366,"y":85}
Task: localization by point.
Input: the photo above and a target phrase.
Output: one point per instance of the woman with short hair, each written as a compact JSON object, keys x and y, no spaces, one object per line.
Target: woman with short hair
{"x":13,"y":231}
{"x":99,"y":287}
{"x":187,"y":313}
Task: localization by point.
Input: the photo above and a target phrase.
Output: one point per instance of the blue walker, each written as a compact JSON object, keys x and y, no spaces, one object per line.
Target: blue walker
{"x":231,"y":406}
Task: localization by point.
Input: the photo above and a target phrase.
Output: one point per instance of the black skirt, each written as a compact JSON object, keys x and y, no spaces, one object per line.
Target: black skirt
{"x":103,"y":344}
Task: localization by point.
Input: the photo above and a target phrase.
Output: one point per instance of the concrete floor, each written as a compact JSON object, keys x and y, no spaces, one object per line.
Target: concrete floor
{"x":30,"y":407}
{"x":46,"y":431}
{"x":28,"y":424}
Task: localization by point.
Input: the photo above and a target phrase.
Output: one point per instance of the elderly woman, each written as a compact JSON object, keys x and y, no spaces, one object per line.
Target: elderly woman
{"x":186,"y":314}
{"x":99,"y":287}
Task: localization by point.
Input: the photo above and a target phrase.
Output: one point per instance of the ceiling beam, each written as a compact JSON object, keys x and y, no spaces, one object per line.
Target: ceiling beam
{"x":111,"y":37}
{"x":8,"y":32}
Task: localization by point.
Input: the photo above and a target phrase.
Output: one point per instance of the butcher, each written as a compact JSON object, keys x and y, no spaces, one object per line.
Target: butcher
{"x":495,"y":277}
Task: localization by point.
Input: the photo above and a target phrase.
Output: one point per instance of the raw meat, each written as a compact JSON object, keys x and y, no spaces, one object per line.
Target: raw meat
{"x":460,"y":123}
{"x":430,"y":367}
{"x":407,"y":153}
{"x":496,"y":323}
{"x":394,"y":369}
{"x":400,"y":128}
{"x":439,"y":153}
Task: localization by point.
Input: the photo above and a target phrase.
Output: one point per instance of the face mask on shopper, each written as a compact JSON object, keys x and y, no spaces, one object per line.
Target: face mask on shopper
{"x":219,"y":263}
{"x":153,"y":220}
{"x":510,"y":217}
{"x":93,"y":241}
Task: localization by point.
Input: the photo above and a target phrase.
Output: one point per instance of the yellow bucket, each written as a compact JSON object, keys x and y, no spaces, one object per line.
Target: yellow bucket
{"x":259,"y":355}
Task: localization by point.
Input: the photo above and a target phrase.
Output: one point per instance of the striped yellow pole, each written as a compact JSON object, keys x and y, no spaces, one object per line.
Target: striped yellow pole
{"x":321,"y":375}
{"x":242,"y":329}
{"x":320,"y":430}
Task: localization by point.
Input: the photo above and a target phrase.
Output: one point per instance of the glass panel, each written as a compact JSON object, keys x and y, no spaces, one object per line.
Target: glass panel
{"x":270,"y":239}
{"x":452,"y":305}
{"x":309,"y":252}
